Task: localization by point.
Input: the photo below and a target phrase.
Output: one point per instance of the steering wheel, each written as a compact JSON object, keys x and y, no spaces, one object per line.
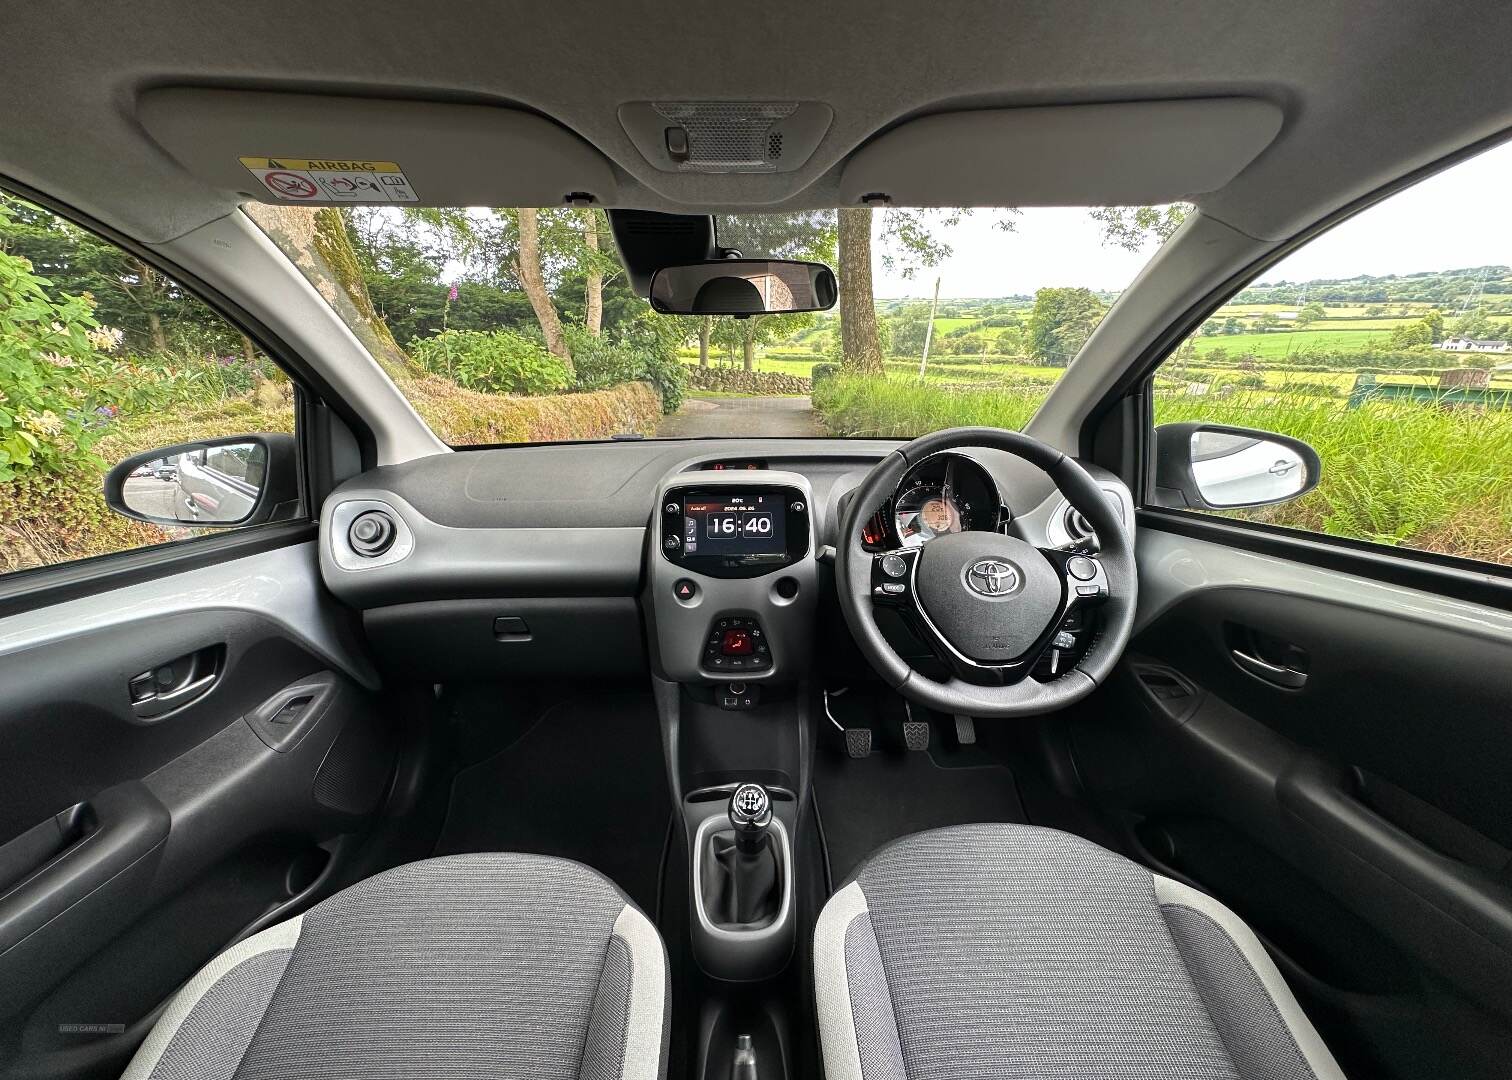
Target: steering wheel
{"x":989,"y":605}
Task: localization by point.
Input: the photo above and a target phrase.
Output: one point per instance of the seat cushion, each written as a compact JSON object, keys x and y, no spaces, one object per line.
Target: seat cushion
{"x":1014,"y":951}
{"x":495,"y":965}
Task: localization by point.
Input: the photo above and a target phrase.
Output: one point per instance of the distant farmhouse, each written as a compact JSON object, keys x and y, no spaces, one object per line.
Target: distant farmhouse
{"x":1462,"y":344}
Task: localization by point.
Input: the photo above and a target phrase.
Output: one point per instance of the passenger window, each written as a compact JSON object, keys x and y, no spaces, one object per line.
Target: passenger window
{"x":103,"y":358}
{"x":1385,"y":345}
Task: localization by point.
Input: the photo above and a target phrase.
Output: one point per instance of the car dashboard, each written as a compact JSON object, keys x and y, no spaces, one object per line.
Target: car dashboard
{"x":602,"y":559}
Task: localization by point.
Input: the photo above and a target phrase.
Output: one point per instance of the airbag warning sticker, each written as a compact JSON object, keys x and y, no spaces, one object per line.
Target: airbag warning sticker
{"x":332,"y":180}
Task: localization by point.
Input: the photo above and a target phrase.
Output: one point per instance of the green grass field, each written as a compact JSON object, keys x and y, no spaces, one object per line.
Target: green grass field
{"x":945,"y":326}
{"x":1283,"y":343}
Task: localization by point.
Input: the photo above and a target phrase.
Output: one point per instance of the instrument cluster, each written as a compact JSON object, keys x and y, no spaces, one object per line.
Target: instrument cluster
{"x":943,"y":494}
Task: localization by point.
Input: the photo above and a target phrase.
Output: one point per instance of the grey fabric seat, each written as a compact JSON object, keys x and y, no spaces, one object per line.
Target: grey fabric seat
{"x":495,"y":965}
{"x":1013,"y":951}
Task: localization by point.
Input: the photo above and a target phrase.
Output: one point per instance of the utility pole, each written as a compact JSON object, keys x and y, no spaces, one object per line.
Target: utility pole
{"x":929,"y":330}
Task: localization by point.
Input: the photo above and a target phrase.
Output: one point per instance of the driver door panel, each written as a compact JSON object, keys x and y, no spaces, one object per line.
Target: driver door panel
{"x":1329,"y":755}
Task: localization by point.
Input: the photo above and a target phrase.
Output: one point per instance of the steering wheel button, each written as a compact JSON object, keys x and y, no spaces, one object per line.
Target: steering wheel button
{"x":894,"y":565}
{"x":1081,"y":568}
{"x":893,"y":587}
{"x":1088,"y":590}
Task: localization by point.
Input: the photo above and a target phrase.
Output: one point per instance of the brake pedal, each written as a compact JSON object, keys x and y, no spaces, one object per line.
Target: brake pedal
{"x":916,"y":734}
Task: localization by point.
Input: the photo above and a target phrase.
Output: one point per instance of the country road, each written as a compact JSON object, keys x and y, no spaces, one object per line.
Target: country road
{"x":739,"y":416}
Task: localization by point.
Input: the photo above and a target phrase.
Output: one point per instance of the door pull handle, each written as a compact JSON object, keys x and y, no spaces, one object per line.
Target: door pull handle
{"x":1284,"y":677}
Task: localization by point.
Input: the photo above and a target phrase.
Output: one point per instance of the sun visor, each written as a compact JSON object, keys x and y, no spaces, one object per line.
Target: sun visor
{"x":1123,"y":154}
{"x":310,"y":148}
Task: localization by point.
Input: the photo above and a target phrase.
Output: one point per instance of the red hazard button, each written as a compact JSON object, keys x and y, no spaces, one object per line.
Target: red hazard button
{"x":684,"y":589}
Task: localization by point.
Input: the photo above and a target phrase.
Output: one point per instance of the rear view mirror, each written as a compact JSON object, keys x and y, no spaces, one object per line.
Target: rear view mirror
{"x":744,"y":287}
{"x":1213,"y":467}
{"x":218,"y":483}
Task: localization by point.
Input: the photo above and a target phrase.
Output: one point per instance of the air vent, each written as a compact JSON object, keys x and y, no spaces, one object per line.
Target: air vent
{"x":372,"y":534}
{"x":1077,"y":526}
{"x":1067,"y":525}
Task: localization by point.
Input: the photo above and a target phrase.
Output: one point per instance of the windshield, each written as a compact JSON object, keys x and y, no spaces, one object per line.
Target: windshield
{"x":509,"y":326}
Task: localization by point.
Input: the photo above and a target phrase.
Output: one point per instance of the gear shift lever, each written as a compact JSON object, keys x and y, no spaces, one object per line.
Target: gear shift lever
{"x":750,"y":817}
{"x":743,"y":881}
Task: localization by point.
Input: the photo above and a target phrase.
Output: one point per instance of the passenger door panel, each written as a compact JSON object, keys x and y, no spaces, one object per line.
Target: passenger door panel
{"x":142,"y":827}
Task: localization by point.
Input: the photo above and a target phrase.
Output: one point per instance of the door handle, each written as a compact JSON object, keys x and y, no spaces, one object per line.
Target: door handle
{"x":175,"y":684}
{"x":1275,"y":674}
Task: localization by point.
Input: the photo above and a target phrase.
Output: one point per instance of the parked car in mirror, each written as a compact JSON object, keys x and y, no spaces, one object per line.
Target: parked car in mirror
{"x":240,"y":480}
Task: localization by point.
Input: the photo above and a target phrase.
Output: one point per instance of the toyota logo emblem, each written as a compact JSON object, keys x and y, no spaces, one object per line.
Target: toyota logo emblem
{"x":992,"y":577}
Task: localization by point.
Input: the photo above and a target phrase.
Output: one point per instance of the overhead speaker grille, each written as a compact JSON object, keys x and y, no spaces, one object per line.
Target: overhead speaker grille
{"x":728,"y":136}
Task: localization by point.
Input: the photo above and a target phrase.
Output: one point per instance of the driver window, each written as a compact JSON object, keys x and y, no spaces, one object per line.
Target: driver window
{"x":1386,"y":345}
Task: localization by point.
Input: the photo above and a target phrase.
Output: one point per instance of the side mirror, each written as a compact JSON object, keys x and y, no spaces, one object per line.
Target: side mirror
{"x":744,"y":287}
{"x":1212,"y":467}
{"x":217,"y":483}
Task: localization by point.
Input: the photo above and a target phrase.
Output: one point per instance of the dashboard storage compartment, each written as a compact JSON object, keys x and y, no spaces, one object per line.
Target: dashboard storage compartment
{"x":596,"y":637}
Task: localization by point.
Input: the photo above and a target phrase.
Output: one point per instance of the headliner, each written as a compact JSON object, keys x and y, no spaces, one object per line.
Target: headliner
{"x":1370,"y":90}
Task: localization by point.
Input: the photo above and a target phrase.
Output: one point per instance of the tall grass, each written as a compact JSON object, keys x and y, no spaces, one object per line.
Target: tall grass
{"x":1418,"y":474}
{"x":1429,"y":477}
{"x":906,"y":407}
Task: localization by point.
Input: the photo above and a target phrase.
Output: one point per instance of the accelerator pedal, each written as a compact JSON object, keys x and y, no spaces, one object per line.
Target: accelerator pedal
{"x":965,"y":730}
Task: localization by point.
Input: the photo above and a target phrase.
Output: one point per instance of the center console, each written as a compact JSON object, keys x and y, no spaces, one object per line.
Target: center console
{"x":732,"y":578}
{"x":731,"y":586}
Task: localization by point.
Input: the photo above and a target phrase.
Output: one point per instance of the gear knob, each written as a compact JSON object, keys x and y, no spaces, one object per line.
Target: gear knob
{"x":750,"y":817}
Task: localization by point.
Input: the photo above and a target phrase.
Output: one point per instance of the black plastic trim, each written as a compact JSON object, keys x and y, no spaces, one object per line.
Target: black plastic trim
{"x":42,"y":586}
{"x":1463,"y":579}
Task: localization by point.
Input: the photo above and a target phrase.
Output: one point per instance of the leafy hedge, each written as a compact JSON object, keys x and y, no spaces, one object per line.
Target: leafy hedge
{"x":641,"y":353}
{"x":56,"y":376}
{"x":492,"y":361}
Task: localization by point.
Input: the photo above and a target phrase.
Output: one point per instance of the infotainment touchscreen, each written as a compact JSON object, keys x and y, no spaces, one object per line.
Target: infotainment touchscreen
{"x":734,"y":523}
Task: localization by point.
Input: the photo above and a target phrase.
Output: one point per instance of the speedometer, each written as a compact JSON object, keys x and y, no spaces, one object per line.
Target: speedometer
{"x":927,"y":510}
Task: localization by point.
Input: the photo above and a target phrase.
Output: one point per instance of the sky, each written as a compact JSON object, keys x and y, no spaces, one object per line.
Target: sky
{"x":1461,"y":217}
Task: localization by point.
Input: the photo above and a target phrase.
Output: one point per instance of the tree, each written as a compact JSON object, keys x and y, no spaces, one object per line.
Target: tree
{"x":1267,"y":320}
{"x":155,"y":314}
{"x":1010,"y":342}
{"x":861,"y":352}
{"x":1060,"y":323}
{"x":1131,"y":227}
{"x":1472,"y":324}
{"x":316,"y":240}
{"x":909,"y":326}
{"x":1309,"y":314}
{"x":533,"y":280}
{"x":593,"y":274}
